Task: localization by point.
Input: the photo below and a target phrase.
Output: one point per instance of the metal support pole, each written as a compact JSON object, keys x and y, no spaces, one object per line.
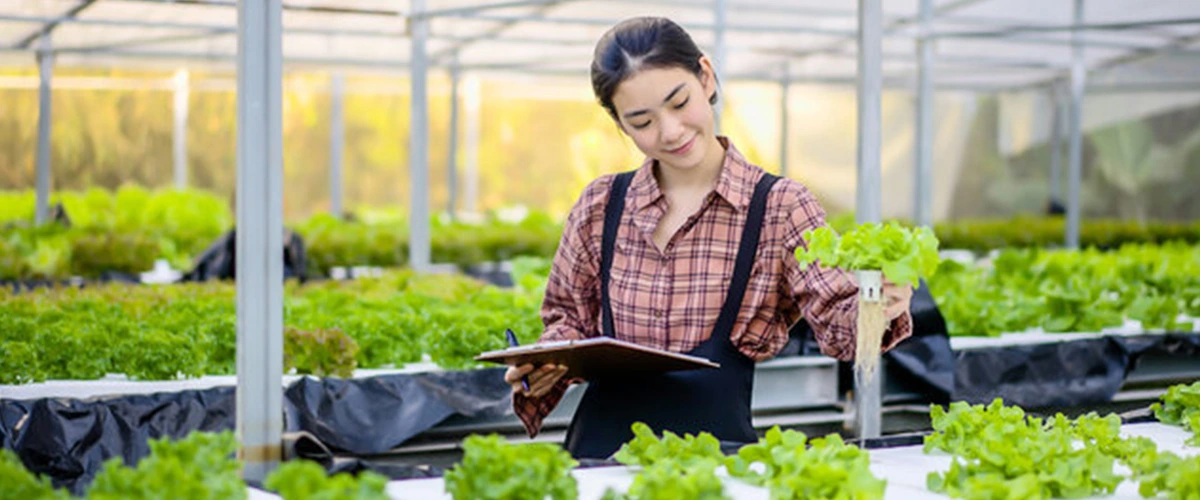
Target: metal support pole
{"x":471,"y":148}
{"x":720,"y":10}
{"x":1056,"y":126}
{"x":452,"y":154}
{"x":923,"y":147}
{"x":785,"y":84}
{"x":41,"y":208}
{"x":179,"y":141}
{"x":337,"y":139}
{"x":1075,"y":151}
{"x":868,"y":206}
{"x":259,"y":237}
{"x":418,"y":150}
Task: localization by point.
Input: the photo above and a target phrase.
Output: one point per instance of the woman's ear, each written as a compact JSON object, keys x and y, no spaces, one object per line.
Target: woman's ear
{"x":708,"y":77}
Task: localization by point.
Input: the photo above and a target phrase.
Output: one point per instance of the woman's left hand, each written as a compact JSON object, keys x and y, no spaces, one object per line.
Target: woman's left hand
{"x":897,"y":299}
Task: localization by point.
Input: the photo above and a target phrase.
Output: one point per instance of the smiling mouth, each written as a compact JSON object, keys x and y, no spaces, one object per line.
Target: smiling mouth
{"x":684,"y":148}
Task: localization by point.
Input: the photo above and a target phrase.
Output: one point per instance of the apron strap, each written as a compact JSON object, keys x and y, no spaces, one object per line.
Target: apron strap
{"x":612,"y":222}
{"x":747,"y":252}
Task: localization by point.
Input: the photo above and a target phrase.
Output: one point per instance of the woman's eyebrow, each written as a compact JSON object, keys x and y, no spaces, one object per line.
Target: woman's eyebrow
{"x":671,"y":95}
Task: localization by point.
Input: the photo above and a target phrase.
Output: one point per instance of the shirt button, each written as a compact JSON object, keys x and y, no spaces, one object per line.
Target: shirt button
{"x":658,"y":313}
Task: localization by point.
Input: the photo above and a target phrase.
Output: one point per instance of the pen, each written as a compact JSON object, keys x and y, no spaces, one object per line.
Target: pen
{"x":512,"y":342}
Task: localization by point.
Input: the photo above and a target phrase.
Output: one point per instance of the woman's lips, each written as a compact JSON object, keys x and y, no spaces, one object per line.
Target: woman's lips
{"x":684,"y":148}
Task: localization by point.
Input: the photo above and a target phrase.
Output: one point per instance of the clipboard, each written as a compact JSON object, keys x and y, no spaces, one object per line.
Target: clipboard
{"x":597,"y":357}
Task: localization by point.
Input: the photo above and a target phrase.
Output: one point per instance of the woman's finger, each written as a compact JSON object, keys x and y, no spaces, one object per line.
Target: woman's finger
{"x":514,"y":373}
{"x":546,"y":382}
{"x":540,"y":372}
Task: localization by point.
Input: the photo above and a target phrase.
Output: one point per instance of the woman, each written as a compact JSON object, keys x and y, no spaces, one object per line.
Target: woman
{"x":693,"y":252}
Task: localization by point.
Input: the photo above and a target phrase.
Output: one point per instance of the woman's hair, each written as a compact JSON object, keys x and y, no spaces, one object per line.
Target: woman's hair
{"x":636,"y":44}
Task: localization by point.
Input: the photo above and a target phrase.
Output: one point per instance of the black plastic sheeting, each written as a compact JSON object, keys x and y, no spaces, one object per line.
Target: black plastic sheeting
{"x":377,"y":414}
{"x":219,"y":260}
{"x":68,"y":440}
{"x":328,"y":419}
{"x":1078,"y":372}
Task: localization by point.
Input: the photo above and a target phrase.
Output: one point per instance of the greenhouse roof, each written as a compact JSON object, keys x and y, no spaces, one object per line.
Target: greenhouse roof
{"x":980,"y":44}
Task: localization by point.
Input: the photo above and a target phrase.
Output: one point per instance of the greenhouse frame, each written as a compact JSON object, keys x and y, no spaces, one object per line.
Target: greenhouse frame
{"x":1054,"y":53}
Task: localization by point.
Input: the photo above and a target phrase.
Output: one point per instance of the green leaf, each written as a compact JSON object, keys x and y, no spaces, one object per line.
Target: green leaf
{"x":198,"y":467}
{"x":904,"y":255}
{"x":307,"y":480}
{"x":493,"y":469}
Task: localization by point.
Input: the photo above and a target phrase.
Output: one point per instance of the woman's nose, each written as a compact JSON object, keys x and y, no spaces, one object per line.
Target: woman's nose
{"x":670,"y":130}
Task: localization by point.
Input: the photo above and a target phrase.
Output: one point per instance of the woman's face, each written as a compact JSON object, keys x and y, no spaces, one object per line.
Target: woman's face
{"x":666,"y":113}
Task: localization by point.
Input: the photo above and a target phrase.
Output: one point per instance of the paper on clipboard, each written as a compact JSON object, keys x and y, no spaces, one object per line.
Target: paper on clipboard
{"x":597,"y":357}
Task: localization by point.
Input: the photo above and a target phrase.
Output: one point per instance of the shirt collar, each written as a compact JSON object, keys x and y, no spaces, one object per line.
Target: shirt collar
{"x":732,"y":182}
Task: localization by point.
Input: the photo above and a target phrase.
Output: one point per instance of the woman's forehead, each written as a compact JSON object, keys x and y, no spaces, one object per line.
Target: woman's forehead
{"x":651,"y":86}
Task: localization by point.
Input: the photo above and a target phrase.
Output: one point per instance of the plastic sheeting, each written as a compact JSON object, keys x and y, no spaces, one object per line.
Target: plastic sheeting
{"x":219,"y":260}
{"x":69,"y":439}
{"x":330,"y":420}
{"x":1080,"y":372}
{"x":377,"y":414}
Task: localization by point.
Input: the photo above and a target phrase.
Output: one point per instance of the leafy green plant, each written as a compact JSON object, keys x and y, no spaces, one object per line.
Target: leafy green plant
{"x":1006,"y":454}
{"x":671,"y":479}
{"x":1181,"y":406}
{"x":1167,"y":473}
{"x":320,"y":352}
{"x":200,"y":466}
{"x":307,"y":480}
{"x":1069,"y":291}
{"x":983,"y":235}
{"x":1156,"y":311}
{"x":493,"y":469}
{"x":19,"y":363}
{"x":647,"y":449}
{"x":794,"y":468}
{"x":672,"y":467}
{"x":903,"y":254}
{"x":21,"y":484}
{"x":186,"y":330}
{"x":96,"y":251}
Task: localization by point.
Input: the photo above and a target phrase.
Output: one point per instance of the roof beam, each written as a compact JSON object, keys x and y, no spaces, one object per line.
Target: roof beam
{"x":540,"y":12}
{"x":326,"y":9}
{"x":1068,"y":28}
{"x":890,"y":28}
{"x":49,"y":26}
{"x":1176,"y":45}
{"x":957,"y":59}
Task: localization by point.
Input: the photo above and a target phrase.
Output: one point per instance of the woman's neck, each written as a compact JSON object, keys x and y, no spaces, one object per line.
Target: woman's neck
{"x":701,"y":178}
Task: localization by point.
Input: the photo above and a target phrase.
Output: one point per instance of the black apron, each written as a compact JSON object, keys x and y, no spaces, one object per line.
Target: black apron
{"x":716,"y":401}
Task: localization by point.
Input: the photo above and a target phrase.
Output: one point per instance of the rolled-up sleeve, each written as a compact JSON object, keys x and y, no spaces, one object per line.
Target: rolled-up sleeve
{"x":571,"y":305}
{"x":826,"y":296}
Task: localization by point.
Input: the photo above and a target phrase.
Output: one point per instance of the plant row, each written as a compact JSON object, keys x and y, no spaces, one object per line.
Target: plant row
{"x":200,"y":466}
{"x":188,"y":330}
{"x":127,"y":230}
{"x":997,"y":451}
{"x":1001,"y":452}
{"x":167,"y":332}
{"x":1070,"y":291}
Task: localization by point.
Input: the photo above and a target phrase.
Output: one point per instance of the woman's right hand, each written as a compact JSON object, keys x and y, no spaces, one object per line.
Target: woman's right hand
{"x":540,"y":380}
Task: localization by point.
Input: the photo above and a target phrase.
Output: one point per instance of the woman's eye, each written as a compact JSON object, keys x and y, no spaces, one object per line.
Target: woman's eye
{"x":682,"y":104}
{"x":640,"y":126}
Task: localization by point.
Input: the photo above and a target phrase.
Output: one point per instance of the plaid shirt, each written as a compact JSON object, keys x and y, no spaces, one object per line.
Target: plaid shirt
{"x":670,"y":299}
